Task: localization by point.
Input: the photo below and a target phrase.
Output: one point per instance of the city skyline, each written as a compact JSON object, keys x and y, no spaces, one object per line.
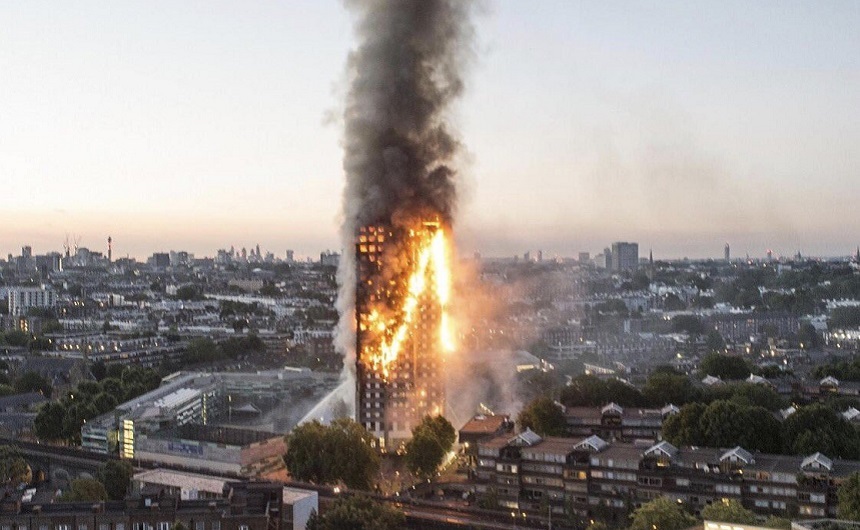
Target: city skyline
{"x":679,"y":127}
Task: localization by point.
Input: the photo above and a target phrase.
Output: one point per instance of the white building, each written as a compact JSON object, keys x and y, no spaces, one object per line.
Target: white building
{"x":23,"y":298}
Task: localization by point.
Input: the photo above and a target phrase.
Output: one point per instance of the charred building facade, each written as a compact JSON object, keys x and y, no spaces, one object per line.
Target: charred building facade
{"x":399,"y":313}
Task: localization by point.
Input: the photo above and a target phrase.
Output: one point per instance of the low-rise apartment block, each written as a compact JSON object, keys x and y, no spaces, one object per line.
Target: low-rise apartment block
{"x":591,"y":477}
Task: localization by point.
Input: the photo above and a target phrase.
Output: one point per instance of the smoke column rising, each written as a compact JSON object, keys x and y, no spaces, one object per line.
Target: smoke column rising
{"x":398,"y":145}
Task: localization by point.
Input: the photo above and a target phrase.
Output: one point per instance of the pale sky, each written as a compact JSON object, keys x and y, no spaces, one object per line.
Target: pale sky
{"x":197,"y":125}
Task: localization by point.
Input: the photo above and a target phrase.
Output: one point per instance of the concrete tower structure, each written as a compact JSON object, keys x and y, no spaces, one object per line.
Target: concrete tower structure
{"x":390,"y":405}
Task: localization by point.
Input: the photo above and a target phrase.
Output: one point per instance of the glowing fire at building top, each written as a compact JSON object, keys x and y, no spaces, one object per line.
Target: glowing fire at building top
{"x":402,"y":327}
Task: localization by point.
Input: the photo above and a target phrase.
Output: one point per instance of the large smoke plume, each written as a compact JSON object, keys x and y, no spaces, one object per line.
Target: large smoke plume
{"x":399,"y":146}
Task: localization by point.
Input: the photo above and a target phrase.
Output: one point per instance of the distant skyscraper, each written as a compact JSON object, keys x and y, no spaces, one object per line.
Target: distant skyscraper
{"x":625,"y":256}
{"x":727,"y":253}
{"x":769,"y":255}
{"x":290,"y":256}
{"x":540,"y":256}
{"x":584,"y":257}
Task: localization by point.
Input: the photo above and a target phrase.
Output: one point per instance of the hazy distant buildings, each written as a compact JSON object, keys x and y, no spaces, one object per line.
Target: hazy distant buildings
{"x":584,"y":257}
{"x":22,"y":299}
{"x":727,"y":253}
{"x":624,"y":256}
{"x":160,"y":260}
{"x":329,"y":259}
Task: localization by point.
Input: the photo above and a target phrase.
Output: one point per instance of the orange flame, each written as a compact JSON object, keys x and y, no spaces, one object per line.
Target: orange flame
{"x":431,"y":270}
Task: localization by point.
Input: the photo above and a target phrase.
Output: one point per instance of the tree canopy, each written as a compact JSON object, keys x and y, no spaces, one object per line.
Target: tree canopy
{"x":661,"y":514}
{"x":340,"y":452}
{"x":728,"y":511}
{"x":819,"y":428}
{"x":544,"y":417}
{"x":849,"y":498}
{"x":431,"y":441}
{"x":357,"y":513}
{"x":724,"y":366}
{"x":85,"y":489}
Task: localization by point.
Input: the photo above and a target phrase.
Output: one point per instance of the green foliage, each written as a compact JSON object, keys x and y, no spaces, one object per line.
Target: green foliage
{"x":778,"y":523}
{"x":544,"y":417}
{"x":663,"y":388}
{"x":431,"y":441}
{"x":188,"y":292}
{"x":848,"y":370}
{"x":48,"y":423}
{"x":13,"y":467}
{"x":661,"y":514}
{"x":807,"y":337}
{"x":201,"y":350}
{"x":849,"y":498}
{"x":818,"y":428}
{"x":99,"y":370}
{"x":714,"y":342}
{"x":116,"y":477}
{"x":671,"y":302}
{"x":724,"y":366}
{"x":62,"y":420}
{"x":724,"y":424}
{"x":33,"y":382}
{"x":752,"y":394}
{"x":728,"y":511}
{"x":323,"y":454}
{"x":357,"y":513}
{"x":16,"y":337}
{"x":85,"y":489}
{"x":590,"y":391}
{"x":204,"y":350}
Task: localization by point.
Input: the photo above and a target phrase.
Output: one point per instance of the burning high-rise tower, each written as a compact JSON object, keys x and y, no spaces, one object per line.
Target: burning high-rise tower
{"x":402,"y":333}
{"x":398,"y":208}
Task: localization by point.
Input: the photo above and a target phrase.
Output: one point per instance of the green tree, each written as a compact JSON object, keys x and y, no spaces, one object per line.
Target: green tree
{"x":48,"y":423}
{"x":357,"y":513}
{"x":714,"y":342}
{"x":752,"y":394}
{"x":818,"y":428}
{"x":201,"y":350}
{"x":33,"y":382}
{"x":116,"y":477}
{"x":431,"y":441}
{"x":99,"y":370}
{"x":683,"y":428}
{"x":849,"y":498}
{"x":13,"y":468}
{"x":663,"y":388}
{"x":104,"y":402}
{"x":424,"y":453}
{"x":85,"y":489}
{"x":188,"y":292}
{"x":323,"y":454}
{"x":728,"y":511}
{"x":724,"y":366}
{"x":544,"y":417}
{"x":661,"y":514}
{"x":671,"y":302}
{"x":778,"y":523}
{"x":305,"y":457}
{"x":807,"y":337}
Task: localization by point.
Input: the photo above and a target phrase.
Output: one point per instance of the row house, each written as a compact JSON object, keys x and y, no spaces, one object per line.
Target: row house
{"x":591,"y":477}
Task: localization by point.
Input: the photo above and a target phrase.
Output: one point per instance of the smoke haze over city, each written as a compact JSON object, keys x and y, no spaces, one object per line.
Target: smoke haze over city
{"x":678,"y":126}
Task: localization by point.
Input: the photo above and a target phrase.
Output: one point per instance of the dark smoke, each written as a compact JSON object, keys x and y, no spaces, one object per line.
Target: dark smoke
{"x":404,"y":76}
{"x":399,"y":146}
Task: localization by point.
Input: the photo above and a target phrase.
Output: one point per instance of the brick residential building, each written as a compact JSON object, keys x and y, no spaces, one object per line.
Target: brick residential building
{"x":591,"y":477}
